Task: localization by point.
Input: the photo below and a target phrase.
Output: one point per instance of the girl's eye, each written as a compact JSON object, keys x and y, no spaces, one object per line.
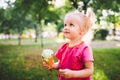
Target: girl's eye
{"x":71,"y":25}
{"x":64,"y":24}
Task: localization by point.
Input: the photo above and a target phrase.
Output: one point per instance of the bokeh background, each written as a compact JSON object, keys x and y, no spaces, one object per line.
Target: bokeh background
{"x":29,"y":26}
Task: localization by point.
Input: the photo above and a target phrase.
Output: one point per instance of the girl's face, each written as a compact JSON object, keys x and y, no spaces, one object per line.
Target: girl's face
{"x":71,"y":28}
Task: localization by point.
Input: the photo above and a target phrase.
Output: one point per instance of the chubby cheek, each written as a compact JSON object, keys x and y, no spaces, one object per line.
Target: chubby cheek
{"x":66,"y":34}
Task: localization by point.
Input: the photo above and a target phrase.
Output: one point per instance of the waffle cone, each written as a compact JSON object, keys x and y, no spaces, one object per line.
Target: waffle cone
{"x":50,"y":62}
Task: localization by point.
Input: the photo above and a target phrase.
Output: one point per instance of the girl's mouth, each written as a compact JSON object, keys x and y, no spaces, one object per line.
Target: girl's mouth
{"x":66,"y":32}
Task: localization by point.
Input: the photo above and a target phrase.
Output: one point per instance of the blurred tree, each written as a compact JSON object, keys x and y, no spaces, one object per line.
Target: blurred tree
{"x":5,"y":21}
{"x":25,"y":14}
{"x":2,"y":18}
{"x":80,"y":4}
{"x":13,"y":20}
{"x":39,"y":10}
{"x":61,"y":11}
{"x":104,"y":4}
{"x":20,"y":19}
{"x":112,"y":5}
{"x":47,"y":11}
{"x":98,"y":6}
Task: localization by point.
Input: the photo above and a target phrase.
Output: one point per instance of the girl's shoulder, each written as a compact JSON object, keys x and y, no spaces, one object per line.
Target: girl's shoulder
{"x":83,"y":46}
{"x":64,"y":45}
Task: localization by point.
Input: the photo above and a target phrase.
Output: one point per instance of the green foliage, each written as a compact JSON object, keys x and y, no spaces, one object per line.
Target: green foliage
{"x":108,"y":4}
{"x":113,"y":18}
{"x":60,"y":27}
{"x":101,"y":34}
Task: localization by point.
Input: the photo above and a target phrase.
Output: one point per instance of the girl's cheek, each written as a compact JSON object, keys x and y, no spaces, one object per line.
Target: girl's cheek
{"x":65,"y":28}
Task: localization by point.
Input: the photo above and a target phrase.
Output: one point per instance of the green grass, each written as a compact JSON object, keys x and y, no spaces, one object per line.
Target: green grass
{"x":108,"y":60}
{"x":24,"y":62}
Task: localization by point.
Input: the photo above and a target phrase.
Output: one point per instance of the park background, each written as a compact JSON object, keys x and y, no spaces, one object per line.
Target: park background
{"x":29,"y":26}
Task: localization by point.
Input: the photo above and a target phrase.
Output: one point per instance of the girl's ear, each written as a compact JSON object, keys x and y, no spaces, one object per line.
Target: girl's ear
{"x":82,"y":33}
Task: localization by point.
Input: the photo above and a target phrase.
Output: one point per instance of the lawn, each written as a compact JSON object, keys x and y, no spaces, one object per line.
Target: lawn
{"x":24,"y":62}
{"x":108,"y":61}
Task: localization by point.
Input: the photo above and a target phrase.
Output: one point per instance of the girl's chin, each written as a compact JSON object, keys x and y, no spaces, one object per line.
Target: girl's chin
{"x":67,"y":37}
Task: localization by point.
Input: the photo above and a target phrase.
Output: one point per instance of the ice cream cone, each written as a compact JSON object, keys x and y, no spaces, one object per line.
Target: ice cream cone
{"x":47,"y":57}
{"x":50,"y":62}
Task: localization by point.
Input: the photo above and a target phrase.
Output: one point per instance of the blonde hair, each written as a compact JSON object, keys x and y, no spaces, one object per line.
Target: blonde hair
{"x":91,"y":18}
{"x":88,"y":19}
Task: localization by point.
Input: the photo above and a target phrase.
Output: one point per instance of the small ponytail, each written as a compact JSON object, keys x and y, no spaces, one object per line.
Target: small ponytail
{"x":91,"y":18}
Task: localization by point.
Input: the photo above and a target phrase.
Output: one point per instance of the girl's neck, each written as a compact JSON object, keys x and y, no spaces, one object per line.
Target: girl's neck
{"x":75,"y":42}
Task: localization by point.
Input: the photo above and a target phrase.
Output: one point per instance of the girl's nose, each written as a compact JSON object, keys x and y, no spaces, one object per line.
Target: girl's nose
{"x":65,"y":27}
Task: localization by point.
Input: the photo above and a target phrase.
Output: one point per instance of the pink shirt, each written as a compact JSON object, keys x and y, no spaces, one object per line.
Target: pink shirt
{"x":73,"y":58}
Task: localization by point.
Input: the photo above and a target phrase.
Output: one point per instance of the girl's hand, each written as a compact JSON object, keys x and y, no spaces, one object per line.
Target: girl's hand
{"x":48,"y":64}
{"x":66,"y":73}
{"x":45,"y":64}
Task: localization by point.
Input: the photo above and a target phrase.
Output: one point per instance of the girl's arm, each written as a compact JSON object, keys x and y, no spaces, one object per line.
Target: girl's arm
{"x":87,"y":71}
{"x":56,"y":65}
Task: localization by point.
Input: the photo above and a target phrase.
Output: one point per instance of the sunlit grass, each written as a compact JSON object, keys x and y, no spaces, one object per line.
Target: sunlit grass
{"x":24,"y":62}
{"x":108,"y":60}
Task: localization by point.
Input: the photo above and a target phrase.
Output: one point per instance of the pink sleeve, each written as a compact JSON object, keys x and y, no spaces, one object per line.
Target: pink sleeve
{"x":87,"y":54}
{"x":58,"y":54}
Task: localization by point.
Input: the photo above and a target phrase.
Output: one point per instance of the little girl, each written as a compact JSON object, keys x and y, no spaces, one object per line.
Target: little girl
{"x":75,"y":58}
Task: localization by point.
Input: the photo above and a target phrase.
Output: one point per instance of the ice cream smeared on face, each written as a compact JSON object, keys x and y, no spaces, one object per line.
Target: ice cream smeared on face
{"x":46,"y":54}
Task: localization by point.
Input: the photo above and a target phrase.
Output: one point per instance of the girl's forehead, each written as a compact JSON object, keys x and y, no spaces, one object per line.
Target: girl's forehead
{"x":75,"y":18}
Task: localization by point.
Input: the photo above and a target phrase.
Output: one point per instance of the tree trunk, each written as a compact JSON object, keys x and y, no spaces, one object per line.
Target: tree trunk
{"x":36,"y":33}
{"x":19,"y":39}
{"x":41,"y":37}
{"x":9,"y":36}
{"x":114,"y":30}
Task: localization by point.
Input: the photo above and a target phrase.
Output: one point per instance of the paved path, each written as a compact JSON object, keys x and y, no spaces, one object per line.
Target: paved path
{"x":94,"y":44}
{"x":105,"y":44}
